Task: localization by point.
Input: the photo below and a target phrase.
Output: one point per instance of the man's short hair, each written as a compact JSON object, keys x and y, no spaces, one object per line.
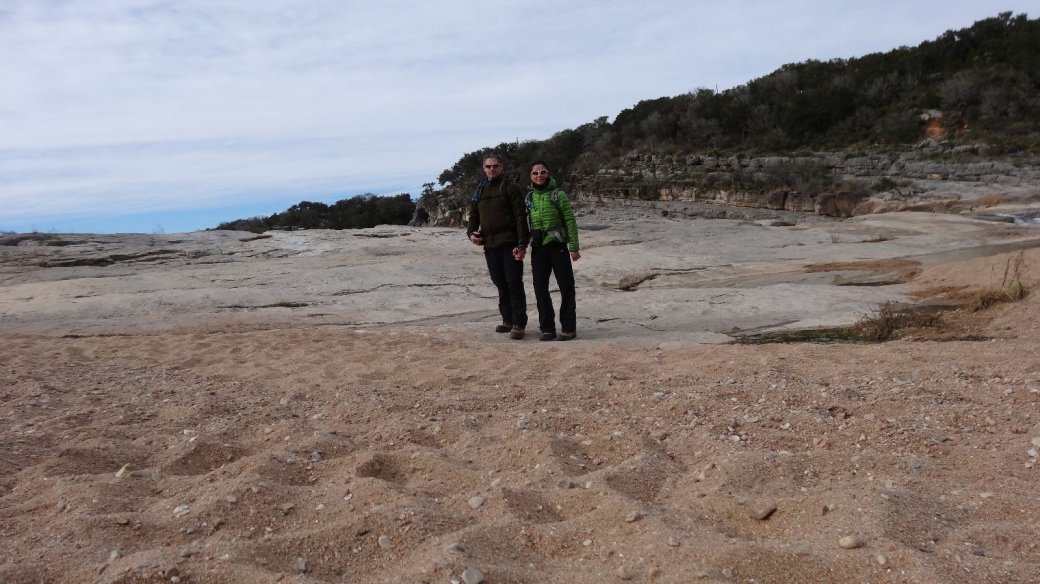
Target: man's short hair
{"x":496,"y":157}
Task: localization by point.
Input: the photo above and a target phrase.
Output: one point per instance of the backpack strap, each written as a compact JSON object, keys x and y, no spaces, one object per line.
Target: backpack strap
{"x":476,"y":193}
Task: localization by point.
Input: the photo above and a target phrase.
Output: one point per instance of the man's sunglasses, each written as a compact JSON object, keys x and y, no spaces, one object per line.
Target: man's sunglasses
{"x":490,"y":166}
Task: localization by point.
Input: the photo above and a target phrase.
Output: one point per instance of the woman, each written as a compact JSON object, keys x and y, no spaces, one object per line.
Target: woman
{"x":554,"y":244}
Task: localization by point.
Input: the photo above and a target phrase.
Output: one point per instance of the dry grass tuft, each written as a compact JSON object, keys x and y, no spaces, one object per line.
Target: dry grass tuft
{"x":990,"y":200}
{"x":1012,"y":286}
{"x":886,"y":320}
{"x":878,"y":237}
{"x":863,"y":265}
{"x":630,"y":283}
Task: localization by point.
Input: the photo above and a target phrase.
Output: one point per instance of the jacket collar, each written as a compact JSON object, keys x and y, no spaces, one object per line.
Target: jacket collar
{"x":549,"y":186}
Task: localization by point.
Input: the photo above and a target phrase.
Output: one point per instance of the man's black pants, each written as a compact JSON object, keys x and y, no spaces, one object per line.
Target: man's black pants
{"x":508,"y":275}
{"x":554,"y":258}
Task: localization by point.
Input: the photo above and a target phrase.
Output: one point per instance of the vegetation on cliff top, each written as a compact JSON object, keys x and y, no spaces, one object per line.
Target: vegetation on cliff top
{"x":978,"y":84}
{"x":366,"y":210}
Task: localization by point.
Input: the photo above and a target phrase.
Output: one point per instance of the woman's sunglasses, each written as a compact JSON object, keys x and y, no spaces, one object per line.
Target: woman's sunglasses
{"x":541,"y":172}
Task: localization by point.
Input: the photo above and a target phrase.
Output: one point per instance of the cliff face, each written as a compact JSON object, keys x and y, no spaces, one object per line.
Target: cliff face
{"x":932,"y":177}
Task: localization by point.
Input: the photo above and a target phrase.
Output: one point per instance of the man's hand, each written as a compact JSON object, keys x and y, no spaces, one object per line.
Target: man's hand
{"x":476,"y":238}
{"x":575,"y":256}
{"x":519,"y":253}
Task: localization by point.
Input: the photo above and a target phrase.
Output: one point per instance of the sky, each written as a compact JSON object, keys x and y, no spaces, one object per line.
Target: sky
{"x":168,"y":116}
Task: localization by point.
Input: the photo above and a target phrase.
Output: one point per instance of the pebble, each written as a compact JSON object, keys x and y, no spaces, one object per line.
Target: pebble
{"x":384,"y":542}
{"x":633,"y":517}
{"x":672,"y":542}
{"x":181,"y":510}
{"x":122,"y":472}
{"x":315,"y":456}
{"x":764,"y":512}
{"x":626,"y":573}
{"x":769,"y":457}
{"x":122,"y":521}
{"x":171,"y":572}
{"x":521,"y":424}
{"x":472,"y":576}
{"x":455,"y":547}
{"x":1036,"y":442}
{"x":156,"y":475}
{"x":300,"y":565}
{"x":881,"y":559}
{"x":232,"y":499}
{"x":916,"y":465}
{"x":476,"y":502}
{"x":587,"y":543}
{"x":115,"y":555}
{"x":851,"y":542}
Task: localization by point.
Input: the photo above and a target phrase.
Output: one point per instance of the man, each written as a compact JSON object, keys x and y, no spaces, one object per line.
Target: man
{"x":498,"y":221}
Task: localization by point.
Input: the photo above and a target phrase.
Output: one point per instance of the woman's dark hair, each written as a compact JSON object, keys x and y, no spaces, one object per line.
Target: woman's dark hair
{"x":537,"y":162}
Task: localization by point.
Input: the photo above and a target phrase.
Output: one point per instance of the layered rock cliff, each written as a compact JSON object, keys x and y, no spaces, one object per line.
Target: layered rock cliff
{"x":932,"y":177}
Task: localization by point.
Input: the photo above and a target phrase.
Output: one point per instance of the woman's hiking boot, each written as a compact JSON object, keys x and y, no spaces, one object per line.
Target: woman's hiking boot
{"x":517,"y":333}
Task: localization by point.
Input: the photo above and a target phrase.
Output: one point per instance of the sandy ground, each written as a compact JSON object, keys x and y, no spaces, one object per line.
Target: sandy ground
{"x":333,"y":407}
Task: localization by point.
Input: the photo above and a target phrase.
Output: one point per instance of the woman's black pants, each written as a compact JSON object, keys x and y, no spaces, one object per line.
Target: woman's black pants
{"x":554,"y":258}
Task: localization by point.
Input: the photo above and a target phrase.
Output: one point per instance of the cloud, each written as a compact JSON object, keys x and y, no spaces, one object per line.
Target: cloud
{"x":157,"y":104}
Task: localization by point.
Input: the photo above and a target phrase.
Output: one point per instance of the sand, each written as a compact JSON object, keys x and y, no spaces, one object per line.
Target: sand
{"x":333,"y":407}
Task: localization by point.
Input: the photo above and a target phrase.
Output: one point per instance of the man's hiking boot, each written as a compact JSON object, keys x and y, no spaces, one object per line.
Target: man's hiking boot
{"x":517,"y":333}
{"x":505,"y":327}
{"x":568,"y":336}
{"x":547,"y":336}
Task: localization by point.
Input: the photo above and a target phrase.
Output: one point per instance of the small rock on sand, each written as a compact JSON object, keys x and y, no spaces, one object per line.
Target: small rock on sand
{"x":472,"y":576}
{"x":851,"y":542}
{"x":476,"y":502}
{"x":763,"y":512}
{"x":384,"y":542}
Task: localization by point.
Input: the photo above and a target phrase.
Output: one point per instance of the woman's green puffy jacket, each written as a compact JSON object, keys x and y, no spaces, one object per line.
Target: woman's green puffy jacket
{"x":546,"y":216}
